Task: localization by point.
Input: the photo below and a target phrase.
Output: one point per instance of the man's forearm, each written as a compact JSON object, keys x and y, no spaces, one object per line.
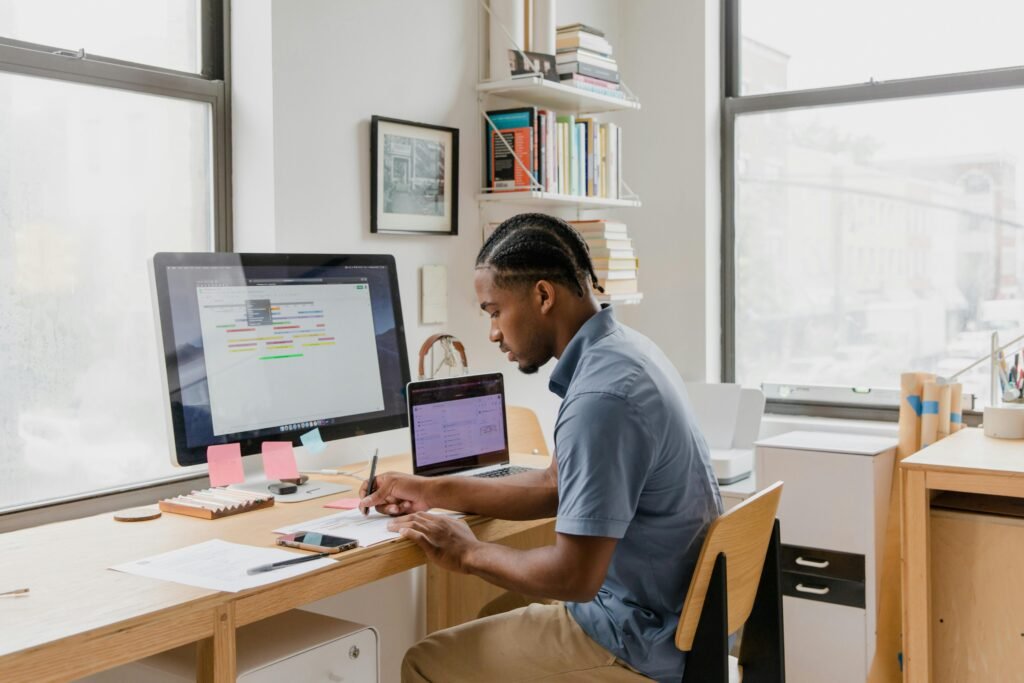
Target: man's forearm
{"x":535,"y":572}
{"x":531,"y":495}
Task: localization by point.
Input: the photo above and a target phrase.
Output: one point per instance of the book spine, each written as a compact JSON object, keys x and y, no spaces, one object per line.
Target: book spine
{"x":566,"y":70}
{"x":579,"y":79}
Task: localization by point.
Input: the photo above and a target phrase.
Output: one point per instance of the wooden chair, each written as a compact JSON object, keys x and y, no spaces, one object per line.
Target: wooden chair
{"x":736,"y":583}
{"x":524,"y":432}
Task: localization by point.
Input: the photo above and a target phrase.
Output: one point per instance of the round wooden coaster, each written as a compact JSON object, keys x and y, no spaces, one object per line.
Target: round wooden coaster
{"x":137,"y":515}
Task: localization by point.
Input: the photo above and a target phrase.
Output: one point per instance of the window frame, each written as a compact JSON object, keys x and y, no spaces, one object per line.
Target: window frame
{"x":212,"y":86}
{"x":735,"y":104}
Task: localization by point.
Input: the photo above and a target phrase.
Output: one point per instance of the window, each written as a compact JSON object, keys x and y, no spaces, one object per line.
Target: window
{"x":103,"y":162}
{"x":871,"y":228}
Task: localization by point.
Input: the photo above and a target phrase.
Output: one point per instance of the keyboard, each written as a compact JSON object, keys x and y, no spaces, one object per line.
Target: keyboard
{"x":503,"y":472}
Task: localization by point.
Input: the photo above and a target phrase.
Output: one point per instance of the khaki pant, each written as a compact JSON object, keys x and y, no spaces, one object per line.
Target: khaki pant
{"x":538,"y":642}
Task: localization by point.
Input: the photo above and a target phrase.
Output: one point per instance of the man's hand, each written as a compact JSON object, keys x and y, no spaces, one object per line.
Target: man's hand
{"x":445,"y":541}
{"x":396,"y":494}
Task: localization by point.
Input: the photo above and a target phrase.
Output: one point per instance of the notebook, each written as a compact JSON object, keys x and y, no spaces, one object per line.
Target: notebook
{"x":458,"y":426}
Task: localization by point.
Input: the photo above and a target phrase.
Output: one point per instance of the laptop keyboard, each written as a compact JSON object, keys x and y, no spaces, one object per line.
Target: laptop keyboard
{"x":502,"y":472}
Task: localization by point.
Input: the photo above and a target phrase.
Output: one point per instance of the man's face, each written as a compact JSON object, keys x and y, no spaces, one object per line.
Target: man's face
{"x":517,"y":326}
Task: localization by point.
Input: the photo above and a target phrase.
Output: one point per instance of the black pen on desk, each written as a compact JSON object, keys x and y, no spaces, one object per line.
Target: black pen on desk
{"x":371,"y":482}
{"x":285,"y":563}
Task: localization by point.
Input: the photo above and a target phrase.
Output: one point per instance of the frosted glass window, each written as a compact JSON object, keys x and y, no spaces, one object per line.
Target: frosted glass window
{"x":799,"y":44}
{"x":93,"y":181}
{"x":877,"y":238}
{"x":164,"y":33}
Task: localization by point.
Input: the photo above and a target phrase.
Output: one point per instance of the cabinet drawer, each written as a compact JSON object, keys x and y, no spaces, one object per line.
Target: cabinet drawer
{"x":823,"y":589}
{"x":829,"y":564}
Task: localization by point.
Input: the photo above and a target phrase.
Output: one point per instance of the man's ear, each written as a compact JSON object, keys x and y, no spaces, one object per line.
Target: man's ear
{"x":545,"y":293}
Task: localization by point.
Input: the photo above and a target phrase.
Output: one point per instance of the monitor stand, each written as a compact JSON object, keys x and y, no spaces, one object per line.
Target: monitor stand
{"x":314,"y":488}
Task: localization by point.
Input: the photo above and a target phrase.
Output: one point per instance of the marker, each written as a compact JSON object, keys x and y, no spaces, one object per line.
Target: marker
{"x":371,"y":482}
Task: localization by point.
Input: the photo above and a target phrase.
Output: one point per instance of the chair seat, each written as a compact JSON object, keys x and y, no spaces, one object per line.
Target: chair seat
{"x":735,"y":672}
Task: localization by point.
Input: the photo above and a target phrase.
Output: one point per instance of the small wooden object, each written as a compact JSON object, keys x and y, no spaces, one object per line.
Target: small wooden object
{"x":137,"y":514}
{"x":216,"y":503}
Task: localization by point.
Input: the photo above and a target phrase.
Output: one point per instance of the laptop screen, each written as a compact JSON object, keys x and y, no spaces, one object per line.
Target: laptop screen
{"x":457,"y":423}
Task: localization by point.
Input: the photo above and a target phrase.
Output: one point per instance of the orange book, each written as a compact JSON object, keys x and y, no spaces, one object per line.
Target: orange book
{"x":506,"y":172}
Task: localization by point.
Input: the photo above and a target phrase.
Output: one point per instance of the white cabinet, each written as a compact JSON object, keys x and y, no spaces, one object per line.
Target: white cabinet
{"x":833,"y":517}
{"x":293,"y":646}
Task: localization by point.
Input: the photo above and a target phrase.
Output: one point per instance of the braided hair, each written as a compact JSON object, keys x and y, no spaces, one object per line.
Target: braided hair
{"x":535,"y":246}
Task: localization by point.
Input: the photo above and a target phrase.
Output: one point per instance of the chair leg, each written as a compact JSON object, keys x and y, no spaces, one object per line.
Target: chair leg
{"x":762,"y":650}
{"x":708,"y":659}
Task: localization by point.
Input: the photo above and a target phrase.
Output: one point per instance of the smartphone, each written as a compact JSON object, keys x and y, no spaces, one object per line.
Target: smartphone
{"x":321,"y":543}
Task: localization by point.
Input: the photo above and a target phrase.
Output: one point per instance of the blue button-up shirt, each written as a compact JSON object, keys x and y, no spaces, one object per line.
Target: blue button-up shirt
{"x":632,"y":465}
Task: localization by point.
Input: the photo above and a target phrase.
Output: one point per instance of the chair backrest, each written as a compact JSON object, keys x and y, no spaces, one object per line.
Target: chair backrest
{"x":524,"y":432}
{"x":742,"y":535}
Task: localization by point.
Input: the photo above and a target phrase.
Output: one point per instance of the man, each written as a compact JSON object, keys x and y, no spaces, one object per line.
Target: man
{"x":630,"y":484}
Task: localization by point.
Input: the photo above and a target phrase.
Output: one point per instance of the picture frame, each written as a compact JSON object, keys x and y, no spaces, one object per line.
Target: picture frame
{"x":414,"y":177}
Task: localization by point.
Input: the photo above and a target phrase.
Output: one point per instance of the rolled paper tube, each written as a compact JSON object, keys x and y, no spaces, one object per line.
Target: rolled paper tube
{"x":956,"y":394}
{"x":944,"y":419}
{"x":929,"y":413}
{"x":510,"y":16}
{"x":910,"y":413}
{"x":543,"y":27}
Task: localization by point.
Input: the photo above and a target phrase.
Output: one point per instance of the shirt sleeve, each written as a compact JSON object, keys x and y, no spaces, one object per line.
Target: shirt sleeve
{"x":604,"y":454}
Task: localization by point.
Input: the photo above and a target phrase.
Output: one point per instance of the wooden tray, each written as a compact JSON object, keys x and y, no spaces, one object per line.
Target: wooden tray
{"x":207,"y":513}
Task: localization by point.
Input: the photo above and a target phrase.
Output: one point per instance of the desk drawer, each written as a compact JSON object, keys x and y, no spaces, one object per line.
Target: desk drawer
{"x":823,"y":589}
{"x":829,"y":564}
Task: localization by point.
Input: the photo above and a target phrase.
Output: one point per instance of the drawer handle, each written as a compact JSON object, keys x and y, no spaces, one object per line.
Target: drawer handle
{"x":811,"y":589}
{"x":812,"y":563}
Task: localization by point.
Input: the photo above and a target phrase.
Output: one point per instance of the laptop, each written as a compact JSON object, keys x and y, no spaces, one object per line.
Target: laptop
{"x":458,"y":427}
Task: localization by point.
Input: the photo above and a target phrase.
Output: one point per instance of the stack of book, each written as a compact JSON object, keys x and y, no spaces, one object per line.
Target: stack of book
{"x":565,"y":154}
{"x":615,"y":262}
{"x":584,"y":60}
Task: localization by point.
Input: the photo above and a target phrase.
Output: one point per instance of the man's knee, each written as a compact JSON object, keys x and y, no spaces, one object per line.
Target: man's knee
{"x":419,"y":664}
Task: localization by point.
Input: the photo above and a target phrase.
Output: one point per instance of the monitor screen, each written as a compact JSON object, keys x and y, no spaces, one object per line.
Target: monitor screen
{"x":265,"y":347}
{"x":457,"y":423}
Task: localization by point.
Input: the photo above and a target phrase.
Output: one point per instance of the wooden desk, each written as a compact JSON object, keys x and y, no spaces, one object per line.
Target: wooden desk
{"x":965,"y":461}
{"x":81,"y":618}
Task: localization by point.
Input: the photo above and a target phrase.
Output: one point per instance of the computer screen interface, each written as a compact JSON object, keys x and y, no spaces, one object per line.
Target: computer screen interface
{"x":269,"y":346}
{"x":457,"y":423}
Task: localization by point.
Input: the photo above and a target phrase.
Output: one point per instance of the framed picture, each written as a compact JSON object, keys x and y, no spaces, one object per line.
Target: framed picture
{"x":414,"y":177}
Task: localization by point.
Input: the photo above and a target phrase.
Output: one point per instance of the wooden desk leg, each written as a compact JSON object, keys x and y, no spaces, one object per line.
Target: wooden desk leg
{"x":916,"y":558}
{"x":216,"y":660}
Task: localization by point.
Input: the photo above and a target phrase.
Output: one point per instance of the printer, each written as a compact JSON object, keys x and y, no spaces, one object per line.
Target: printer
{"x":729,"y":416}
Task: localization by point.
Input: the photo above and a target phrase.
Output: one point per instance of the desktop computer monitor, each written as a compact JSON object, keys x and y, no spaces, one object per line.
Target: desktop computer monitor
{"x":265,"y":347}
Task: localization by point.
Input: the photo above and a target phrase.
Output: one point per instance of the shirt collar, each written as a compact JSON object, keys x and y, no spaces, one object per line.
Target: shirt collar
{"x":600,"y":325}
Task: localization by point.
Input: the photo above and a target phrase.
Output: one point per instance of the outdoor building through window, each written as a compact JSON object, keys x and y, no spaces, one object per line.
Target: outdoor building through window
{"x":873,"y":226}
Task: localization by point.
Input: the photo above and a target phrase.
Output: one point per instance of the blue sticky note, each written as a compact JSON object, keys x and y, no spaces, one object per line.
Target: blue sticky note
{"x":313,"y":442}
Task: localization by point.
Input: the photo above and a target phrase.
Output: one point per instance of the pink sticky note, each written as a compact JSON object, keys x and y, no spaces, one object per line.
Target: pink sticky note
{"x":225,"y":463}
{"x":344,"y":504}
{"x":279,"y":460}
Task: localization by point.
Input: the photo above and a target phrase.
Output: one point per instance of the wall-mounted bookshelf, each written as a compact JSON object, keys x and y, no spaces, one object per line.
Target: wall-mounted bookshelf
{"x":539,"y":92}
{"x":536,"y":197}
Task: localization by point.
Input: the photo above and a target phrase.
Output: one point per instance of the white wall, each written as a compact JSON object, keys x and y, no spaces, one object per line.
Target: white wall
{"x":307,"y":76}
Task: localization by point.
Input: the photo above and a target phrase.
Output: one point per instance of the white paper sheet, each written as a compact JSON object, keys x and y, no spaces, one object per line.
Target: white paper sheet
{"x":368,"y":530}
{"x":220,"y":566}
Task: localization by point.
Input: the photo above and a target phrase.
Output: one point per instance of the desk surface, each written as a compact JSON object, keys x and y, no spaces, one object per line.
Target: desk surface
{"x":970,"y":451}
{"x":77,"y":601}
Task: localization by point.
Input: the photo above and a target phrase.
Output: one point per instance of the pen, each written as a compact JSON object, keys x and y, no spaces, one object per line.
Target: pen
{"x":371,"y":482}
{"x":285,"y":563}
